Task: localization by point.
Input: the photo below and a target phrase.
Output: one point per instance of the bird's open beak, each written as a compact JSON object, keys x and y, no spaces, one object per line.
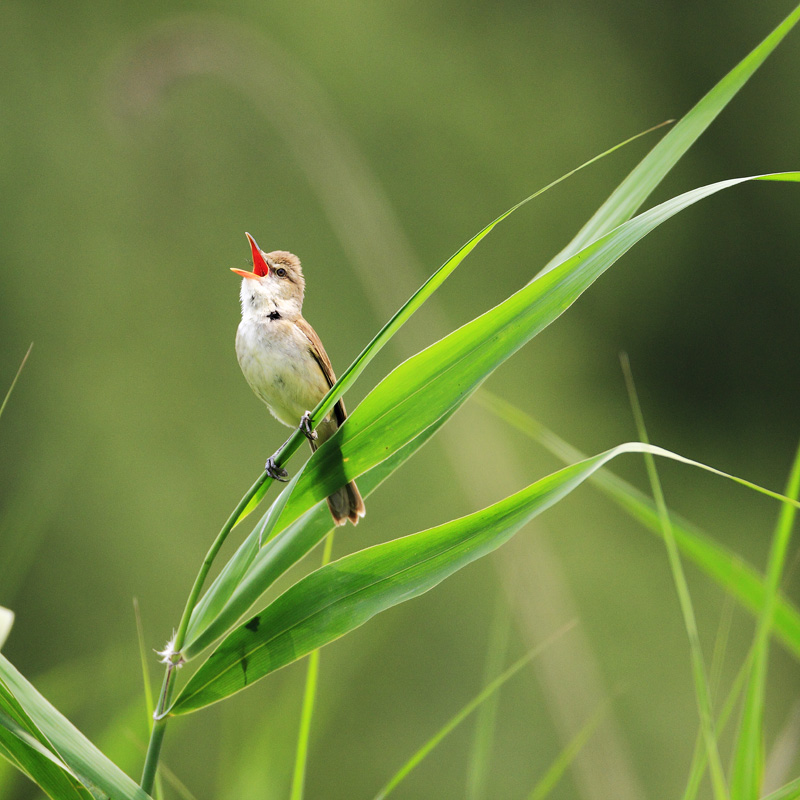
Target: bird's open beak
{"x":260,"y":266}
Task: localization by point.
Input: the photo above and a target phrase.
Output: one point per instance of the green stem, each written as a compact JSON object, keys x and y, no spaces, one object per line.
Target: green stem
{"x":173,"y":656}
{"x":157,"y":733}
{"x":309,"y":696}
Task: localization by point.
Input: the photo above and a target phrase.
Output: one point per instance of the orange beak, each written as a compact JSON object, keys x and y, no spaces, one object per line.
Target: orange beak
{"x":260,"y":266}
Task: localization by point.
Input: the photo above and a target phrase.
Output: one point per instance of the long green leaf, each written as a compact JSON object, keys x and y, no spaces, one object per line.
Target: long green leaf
{"x":415,"y":394}
{"x":728,"y":569}
{"x":24,"y":745}
{"x":81,"y":756}
{"x":335,"y":599}
{"x":633,"y":191}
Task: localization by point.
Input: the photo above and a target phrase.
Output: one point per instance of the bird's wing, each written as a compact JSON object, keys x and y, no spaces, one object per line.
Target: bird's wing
{"x":321,"y":357}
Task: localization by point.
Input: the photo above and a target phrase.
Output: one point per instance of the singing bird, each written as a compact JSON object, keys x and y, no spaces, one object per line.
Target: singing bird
{"x":284,"y":362}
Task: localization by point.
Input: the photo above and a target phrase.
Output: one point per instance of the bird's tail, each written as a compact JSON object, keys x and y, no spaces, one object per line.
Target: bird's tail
{"x":345,"y":503}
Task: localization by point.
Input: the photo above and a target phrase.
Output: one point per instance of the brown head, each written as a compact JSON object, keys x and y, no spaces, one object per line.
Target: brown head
{"x":275,"y":284}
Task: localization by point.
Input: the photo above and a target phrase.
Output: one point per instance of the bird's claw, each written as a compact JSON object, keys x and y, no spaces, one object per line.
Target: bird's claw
{"x":275,"y":472}
{"x":305,"y":427}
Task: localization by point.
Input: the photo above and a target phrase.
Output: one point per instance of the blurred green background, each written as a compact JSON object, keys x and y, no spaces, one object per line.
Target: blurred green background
{"x":139,"y":141}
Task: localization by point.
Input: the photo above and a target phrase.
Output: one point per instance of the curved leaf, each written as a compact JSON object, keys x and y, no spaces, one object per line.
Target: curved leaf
{"x":635,"y":189}
{"x":24,"y":745}
{"x":335,"y":599}
{"x":415,"y":394}
{"x":71,"y":746}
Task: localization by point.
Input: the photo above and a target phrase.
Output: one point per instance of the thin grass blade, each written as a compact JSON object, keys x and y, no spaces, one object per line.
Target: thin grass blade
{"x":702,"y":687}
{"x":14,"y":382}
{"x":307,"y":712}
{"x":488,"y":691}
{"x":791,"y":791}
{"x":748,"y":761}
{"x":334,"y":600}
{"x":568,"y":755}
{"x":480,"y":756}
{"x":149,"y":702}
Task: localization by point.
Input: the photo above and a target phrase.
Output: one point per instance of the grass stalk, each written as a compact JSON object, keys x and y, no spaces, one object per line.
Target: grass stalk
{"x":702,"y":690}
{"x":309,"y":696}
{"x":747,"y":758}
{"x":557,"y":769}
{"x":485,"y":722}
{"x":173,"y":648}
{"x":466,"y":710}
{"x":16,"y":378}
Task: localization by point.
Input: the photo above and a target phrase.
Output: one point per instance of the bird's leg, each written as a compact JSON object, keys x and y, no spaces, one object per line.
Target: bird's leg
{"x":305,"y":427}
{"x":275,"y":472}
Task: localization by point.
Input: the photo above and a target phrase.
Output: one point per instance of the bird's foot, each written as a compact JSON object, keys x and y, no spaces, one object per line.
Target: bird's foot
{"x":305,"y":427}
{"x":275,"y":472}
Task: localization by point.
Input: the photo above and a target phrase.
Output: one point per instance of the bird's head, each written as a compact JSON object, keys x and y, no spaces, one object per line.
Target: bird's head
{"x":275,"y":284}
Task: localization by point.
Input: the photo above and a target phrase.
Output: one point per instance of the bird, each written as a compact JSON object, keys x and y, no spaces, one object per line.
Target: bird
{"x":284,"y":362}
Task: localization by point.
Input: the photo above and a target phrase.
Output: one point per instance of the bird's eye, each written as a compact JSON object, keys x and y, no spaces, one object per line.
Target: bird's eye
{"x":280,"y":272}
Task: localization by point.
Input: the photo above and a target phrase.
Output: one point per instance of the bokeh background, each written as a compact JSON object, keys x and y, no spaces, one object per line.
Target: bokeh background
{"x":139,"y":141}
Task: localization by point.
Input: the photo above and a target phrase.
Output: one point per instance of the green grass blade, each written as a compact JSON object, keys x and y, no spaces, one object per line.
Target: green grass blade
{"x":149,"y":702}
{"x":14,"y":382}
{"x":633,"y":191}
{"x":568,"y":755}
{"x":488,"y":691}
{"x":334,"y":600}
{"x":732,"y":574}
{"x":403,"y":314}
{"x":415,"y":394}
{"x":309,"y":696}
{"x":250,"y":572}
{"x":24,"y":745}
{"x":81,"y":756}
{"x":701,"y":684}
{"x":747,"y":761}
{"x":485,"y":723}
{"x":699,"y":761}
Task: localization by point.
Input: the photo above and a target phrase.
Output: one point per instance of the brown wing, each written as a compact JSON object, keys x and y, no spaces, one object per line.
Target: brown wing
{"x":321,"y":357}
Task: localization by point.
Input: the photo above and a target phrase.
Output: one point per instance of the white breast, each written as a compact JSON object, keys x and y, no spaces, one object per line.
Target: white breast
{"x":276,"y":361}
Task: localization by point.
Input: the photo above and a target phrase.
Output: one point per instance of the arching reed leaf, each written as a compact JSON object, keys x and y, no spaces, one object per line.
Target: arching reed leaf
{"x":417,"y":392}
{"x":24,"y":745}
{"x":636,"y":188}
{"x":335,"y":599}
